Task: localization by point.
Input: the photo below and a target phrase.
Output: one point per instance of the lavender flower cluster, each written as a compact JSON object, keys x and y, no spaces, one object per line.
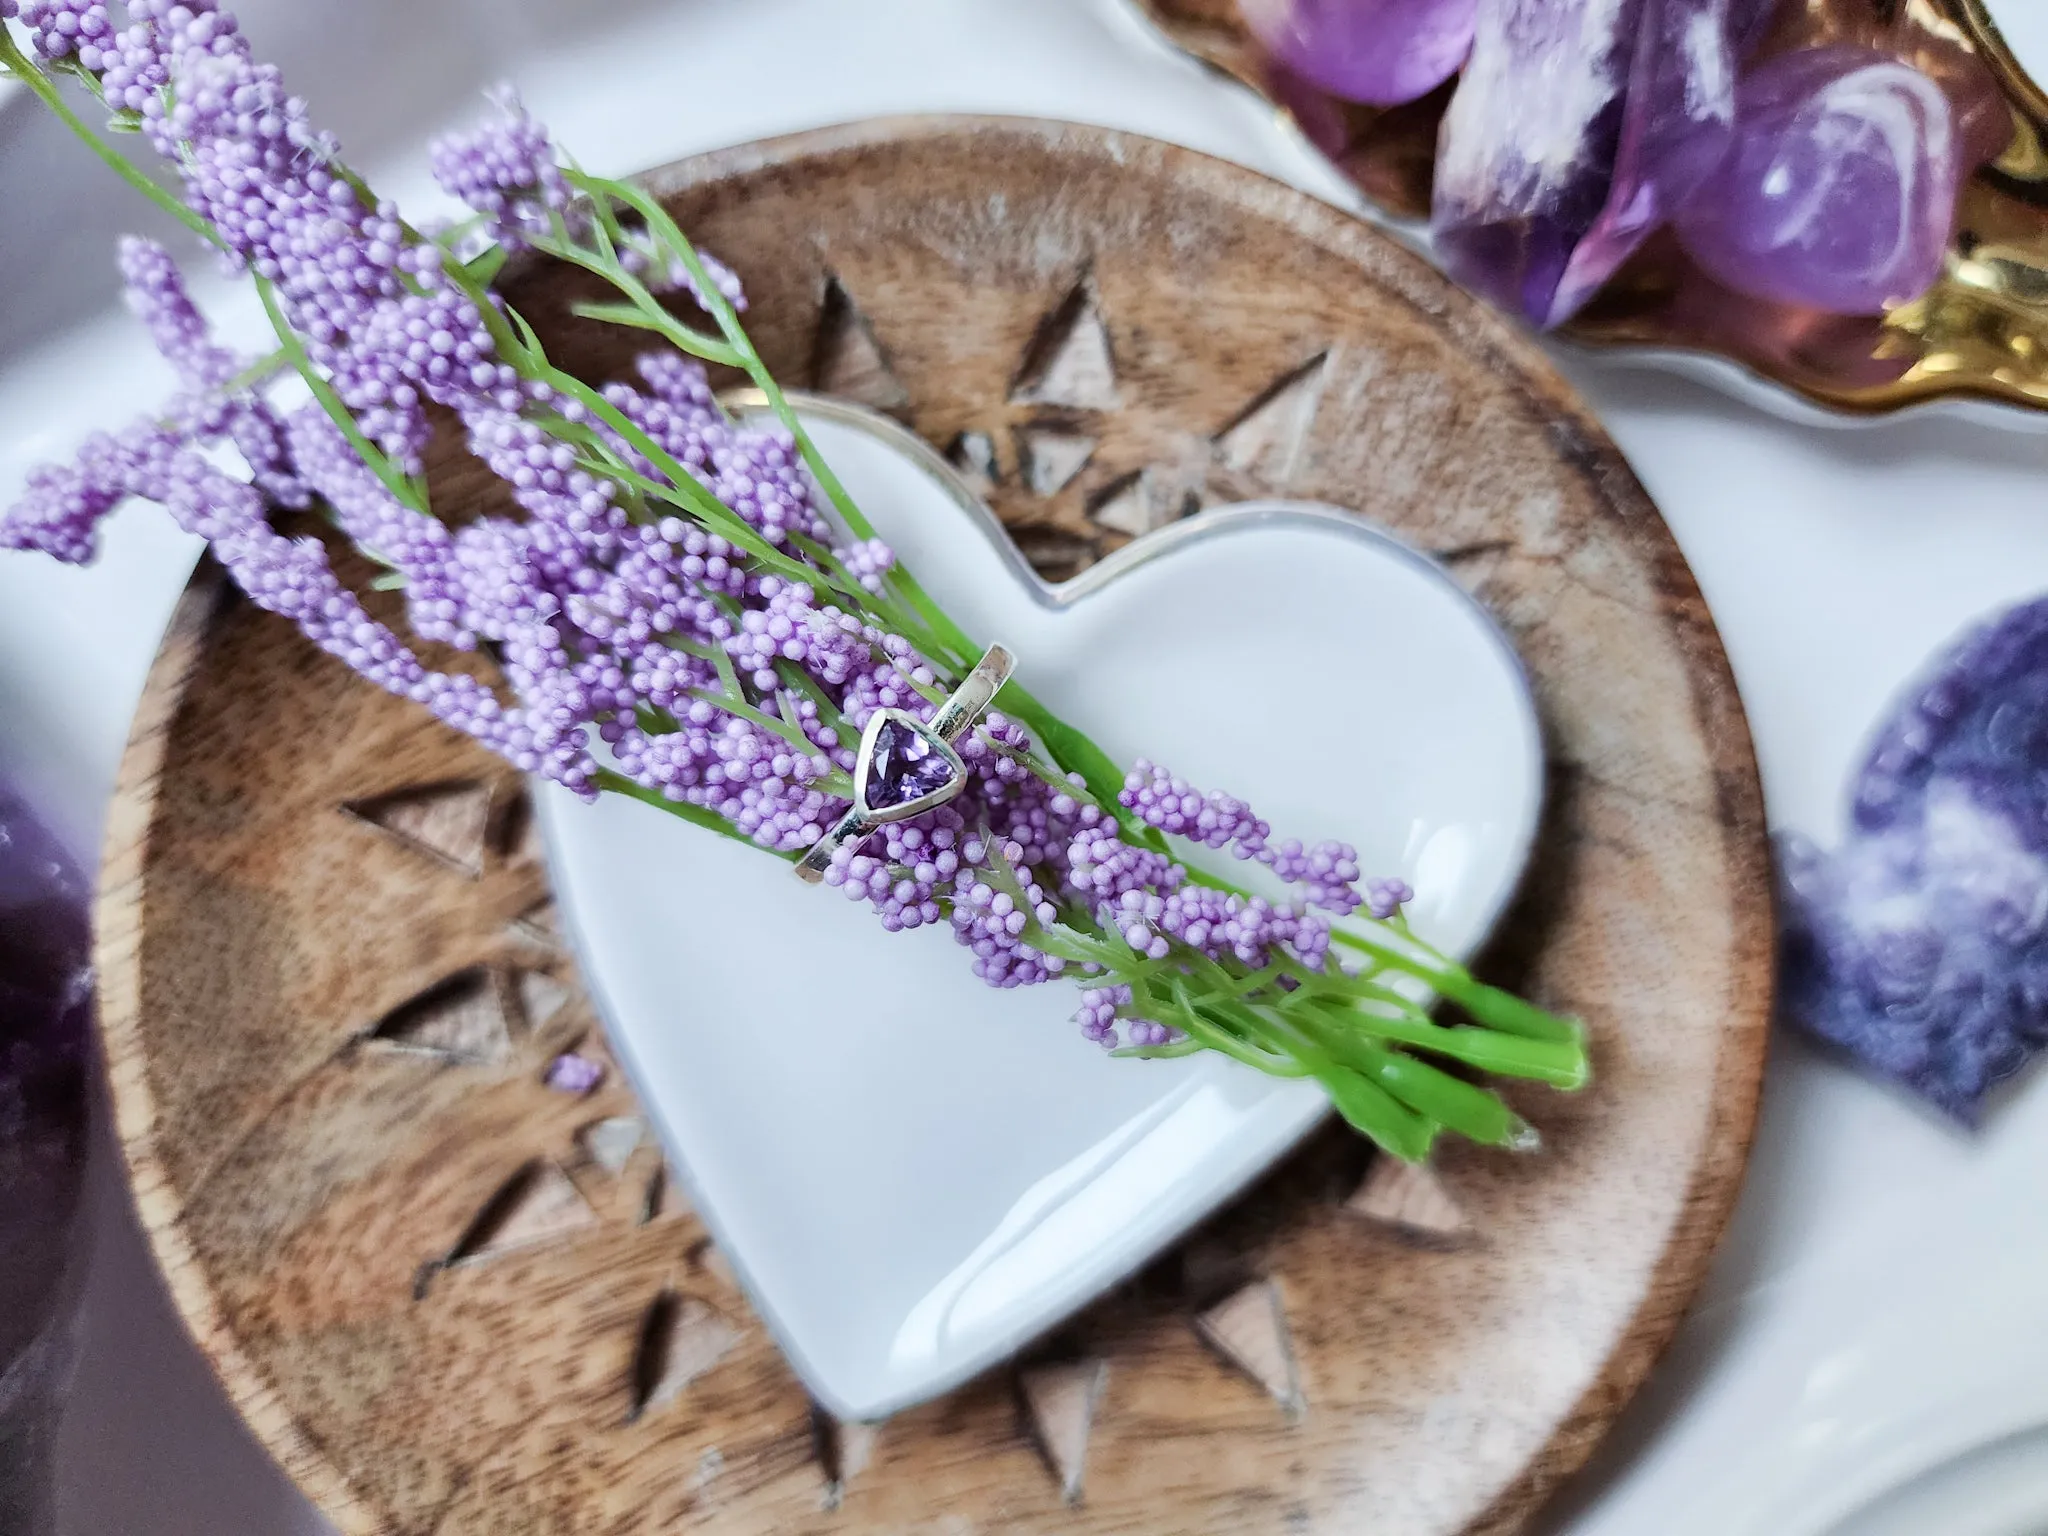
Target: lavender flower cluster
{"x":634,"y":640}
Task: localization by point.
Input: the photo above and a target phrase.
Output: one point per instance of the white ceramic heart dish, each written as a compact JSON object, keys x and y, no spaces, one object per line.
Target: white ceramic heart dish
{"x":914,"y":1175}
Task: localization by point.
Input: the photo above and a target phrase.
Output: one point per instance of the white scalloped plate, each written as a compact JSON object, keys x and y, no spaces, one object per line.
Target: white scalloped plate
{"x":915,"y":1175}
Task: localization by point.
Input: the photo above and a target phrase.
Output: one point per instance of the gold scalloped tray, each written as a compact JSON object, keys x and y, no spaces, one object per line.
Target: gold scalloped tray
{"x":1980,"y":333}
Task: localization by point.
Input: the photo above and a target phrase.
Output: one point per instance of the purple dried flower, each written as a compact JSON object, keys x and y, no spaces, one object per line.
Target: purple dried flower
{"x":571,"y":1073}
{"x":674,"y":590}
{"x":1384,"y":898}
{"x":63,"y":29}
{"x":507,"y":170}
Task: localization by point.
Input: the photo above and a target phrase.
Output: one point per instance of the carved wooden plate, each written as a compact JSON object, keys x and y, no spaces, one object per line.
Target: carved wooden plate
{"x":452,"y":1299}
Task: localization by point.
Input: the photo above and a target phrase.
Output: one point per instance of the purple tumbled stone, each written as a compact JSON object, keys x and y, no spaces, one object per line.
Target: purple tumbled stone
{"x":1920,"y":946}
{"x":45,"y":1028}
{"x":1840,"y":191}
{"x":1579,"y":125}
{"x":1383,"y":52}
{"x":908,"y":765}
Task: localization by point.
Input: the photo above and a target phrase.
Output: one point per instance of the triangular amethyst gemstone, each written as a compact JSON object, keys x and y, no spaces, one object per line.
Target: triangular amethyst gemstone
{"x":908,"y":765}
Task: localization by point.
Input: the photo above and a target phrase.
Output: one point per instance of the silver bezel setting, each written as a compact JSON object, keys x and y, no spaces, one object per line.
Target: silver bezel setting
{"x":864,"y":762}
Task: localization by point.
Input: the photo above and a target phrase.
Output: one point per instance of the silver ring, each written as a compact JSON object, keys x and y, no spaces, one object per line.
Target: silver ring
{"x":907,"y":766}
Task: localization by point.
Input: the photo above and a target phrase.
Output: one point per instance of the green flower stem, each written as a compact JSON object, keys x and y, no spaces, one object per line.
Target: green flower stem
{"x":1187,"y":1046}
{"x":1366,"y":1105}
{"x":614,"y":782}
{"x":407,"y":491}
{"x":892,"y":614}
{"x":728,"y":674}
{"x":1068,"y":747}
{"x":837,"y":783}
{"x":666,"y":233}
{"x":1173,"y":1002}
{"x":646,"y":312}
{"x":796,"y":680}
{"x":1489,"y":1005}
{"x":14,"y":62}
{"x":1451,"y":1101}
{"x":1558,"y":1063}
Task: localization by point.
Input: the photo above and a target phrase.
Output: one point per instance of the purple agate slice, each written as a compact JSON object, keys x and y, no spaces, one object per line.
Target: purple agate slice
{"x":1579,"y":126}
{"x":1921,"y":945}
{"x":1840,"y":191}
{"x":1382,"y":52}
{"x":45,"y":1030}
{"x":907,"y":766}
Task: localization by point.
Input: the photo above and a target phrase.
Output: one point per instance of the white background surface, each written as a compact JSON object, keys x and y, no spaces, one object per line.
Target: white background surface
{"x":1876,"y":1307}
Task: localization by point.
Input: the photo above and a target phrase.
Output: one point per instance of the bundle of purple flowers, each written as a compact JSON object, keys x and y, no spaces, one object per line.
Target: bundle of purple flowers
{"x":691,"y":610}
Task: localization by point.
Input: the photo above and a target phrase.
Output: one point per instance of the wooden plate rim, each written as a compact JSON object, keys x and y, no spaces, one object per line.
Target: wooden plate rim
{"x":1716,"y":1179}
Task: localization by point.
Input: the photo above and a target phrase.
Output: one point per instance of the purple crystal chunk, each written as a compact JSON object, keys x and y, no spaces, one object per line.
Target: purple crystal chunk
{"x":1921,"y":945}
{"x":45,"y":1030}
{"x":1840,"y":191}
{"x":1579,"y":126}
{"x":908,"y":765}
{"x":1379,"y":51}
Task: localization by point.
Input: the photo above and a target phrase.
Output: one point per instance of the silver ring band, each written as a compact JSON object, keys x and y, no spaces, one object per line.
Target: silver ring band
{"x":906,"y":766}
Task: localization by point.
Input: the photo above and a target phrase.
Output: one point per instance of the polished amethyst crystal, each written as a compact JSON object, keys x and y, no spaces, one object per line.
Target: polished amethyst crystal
{"x":1840,"y":191}
{"x":1921,"y":945}
{"x":1578,"y":127}
{"x":907,"y":766}
{"x":1383,"y":52}
{"x":45,"y":1023}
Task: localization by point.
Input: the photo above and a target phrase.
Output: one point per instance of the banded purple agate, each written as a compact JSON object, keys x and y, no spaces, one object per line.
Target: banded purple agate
{"x":1920,"y":946}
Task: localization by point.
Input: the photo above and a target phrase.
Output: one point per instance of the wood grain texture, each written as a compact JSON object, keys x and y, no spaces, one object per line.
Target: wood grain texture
{"x":452,"y":1300}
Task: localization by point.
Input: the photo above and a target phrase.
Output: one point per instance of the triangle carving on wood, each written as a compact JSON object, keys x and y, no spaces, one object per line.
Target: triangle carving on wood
{"x":447,"y":822}
{"x":1054,"y":553}
{"x":1249,"y":1329}
{"x":541,"y":997}
{"x":974,"y":455}
{"x":845,"y":1447}
{"x":1060,"y":1400}
{"x":847,"y":361}
{"x":1411,"y":1201}
{"x":610,"y":1144}
{"x":1140,"y":503}
{"x":460,"y":1019}
{"x":681,"y":1337}
{"x":664,"y":1196}
{"x":1069,"y":362}
{"x":1051,"y":458}
{"x":540,"y":923}
{"x":538,"y":1204}
{"x":1266,"y":438}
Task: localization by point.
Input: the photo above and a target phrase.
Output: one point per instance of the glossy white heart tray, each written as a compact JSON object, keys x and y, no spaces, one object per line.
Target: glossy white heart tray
{"x":913,"y":1174}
